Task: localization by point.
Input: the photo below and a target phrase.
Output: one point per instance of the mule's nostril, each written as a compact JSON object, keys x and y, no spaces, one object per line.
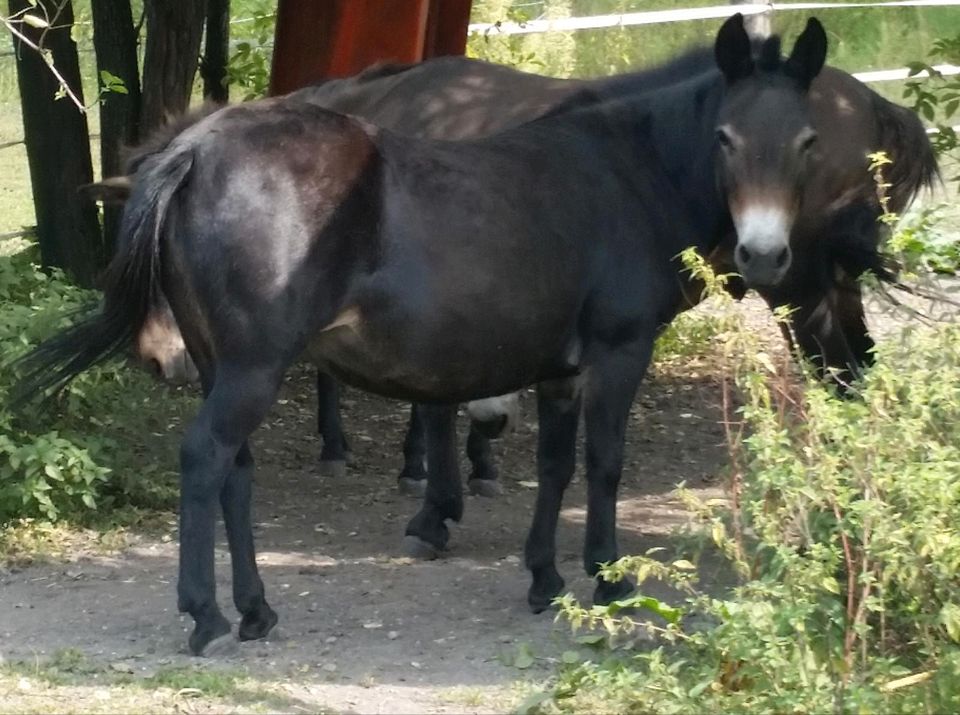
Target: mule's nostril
{"x":743,"y":254}
{"x":782,"y":257}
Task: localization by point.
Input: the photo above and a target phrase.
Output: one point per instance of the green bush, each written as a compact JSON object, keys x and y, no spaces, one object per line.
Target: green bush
{"x":841,"y":526}
{"x":66,"y":463}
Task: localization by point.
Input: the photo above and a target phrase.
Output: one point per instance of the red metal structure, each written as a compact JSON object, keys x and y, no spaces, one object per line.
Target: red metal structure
{"x":320,"y":39}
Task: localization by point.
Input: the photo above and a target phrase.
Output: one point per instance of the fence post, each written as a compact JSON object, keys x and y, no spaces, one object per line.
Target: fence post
{"x":757,"y":25}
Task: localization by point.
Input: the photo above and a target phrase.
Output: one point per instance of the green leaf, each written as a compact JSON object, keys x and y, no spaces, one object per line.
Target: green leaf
{"x":830,"y":584}
{"x":697,"y":689}
{"x":950,"y":618}
{"x":590,"y":639}
{"x":524,"y":657}
{"x":570,"y":657}
{"x":532,"y":702}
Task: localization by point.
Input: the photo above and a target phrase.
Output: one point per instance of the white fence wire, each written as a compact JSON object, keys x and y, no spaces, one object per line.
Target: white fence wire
{"x":656,"y":17}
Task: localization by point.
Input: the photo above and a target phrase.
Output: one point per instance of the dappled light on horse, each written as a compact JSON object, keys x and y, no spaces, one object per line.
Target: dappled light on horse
{"x":555,"y":242}
{"x":454,"y":97}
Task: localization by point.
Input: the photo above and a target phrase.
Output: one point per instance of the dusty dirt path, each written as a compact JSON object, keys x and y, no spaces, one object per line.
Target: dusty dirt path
{"x":363,"y":629}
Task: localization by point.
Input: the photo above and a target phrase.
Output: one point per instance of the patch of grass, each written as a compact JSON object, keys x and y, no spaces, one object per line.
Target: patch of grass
{"x":29,"y":541}
{"x":70,"y":682}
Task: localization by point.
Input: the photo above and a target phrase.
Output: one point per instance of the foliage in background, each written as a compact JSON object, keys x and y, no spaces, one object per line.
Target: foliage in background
{"x":248,"y":67}
{"x":937,"y":97}
{"x":840,"y":523}
{"x":78,"y":464}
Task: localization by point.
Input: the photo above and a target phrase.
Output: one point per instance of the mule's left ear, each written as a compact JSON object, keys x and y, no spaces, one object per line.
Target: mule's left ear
{"x":809,"y":53}
{"x":732,"y":49}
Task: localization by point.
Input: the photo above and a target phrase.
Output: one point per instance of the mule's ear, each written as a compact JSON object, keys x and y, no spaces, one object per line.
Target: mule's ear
{"x":732,"y":49}
{"x":809,"y":53}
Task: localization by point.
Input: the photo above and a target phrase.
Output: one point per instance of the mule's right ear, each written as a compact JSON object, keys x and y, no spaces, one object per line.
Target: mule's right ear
{"x":809,"y":53}
{"x":732,"y":50}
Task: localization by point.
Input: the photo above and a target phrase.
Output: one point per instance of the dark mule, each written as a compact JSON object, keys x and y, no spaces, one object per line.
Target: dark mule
{"x":454,"y":97}
{"x":278,"y":228}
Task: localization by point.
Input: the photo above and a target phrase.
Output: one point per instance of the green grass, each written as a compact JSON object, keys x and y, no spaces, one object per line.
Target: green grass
{"x":69,"y":682}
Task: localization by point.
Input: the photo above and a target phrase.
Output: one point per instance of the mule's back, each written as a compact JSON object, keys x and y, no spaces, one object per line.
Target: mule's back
{"x":444,"y":98}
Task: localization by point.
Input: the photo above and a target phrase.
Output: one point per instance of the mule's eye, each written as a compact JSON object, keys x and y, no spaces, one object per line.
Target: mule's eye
{"x":807,"y":141}
{"x":724,"y":139}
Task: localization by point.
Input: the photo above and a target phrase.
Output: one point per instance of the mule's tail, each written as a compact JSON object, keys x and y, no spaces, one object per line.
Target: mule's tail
{"x":905,"y":139}
{"x":131,"y":288}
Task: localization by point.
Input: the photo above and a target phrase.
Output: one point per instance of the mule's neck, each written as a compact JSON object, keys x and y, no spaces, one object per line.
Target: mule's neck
{"x":678,"y":125}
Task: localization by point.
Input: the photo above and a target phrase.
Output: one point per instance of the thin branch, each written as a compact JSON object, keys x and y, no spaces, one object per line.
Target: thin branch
{"x":11,"y":24}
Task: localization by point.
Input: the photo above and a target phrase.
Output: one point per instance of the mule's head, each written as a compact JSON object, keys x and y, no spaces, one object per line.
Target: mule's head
{"x":161,"y":349}
{"x":765,"y":139}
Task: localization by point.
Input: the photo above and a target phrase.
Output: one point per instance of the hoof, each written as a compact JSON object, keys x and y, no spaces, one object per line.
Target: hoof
{"x":412,"y":487}
{"x":609,"y":591}
{"x":417,"y":548}
{"x":540,"y":596}
{"x":485,"y":488}
{"x":222,"y":644}
{"x":258,"y":625}
{"x":333,"y":468}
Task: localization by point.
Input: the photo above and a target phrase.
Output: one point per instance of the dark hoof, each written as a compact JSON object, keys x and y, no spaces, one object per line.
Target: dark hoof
{"x":417,"y":548}
{"x":609,"y":591}
{"x":543,"y":591}
{"x":208,"y":642}
{"x":485,"y":488}
{"x":333,"y":468}
{"x":257,"y":625}
{"x":412,"y":487}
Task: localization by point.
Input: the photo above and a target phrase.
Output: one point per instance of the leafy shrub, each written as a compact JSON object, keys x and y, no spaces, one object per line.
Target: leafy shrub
{"x":841,"y":527}
{"x":937,"y":97}
{"x":65,"y":466}
{"x":248,"y":68}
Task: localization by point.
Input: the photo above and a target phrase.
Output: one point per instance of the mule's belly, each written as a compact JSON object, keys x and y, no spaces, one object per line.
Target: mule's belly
{"x":439,"y":355}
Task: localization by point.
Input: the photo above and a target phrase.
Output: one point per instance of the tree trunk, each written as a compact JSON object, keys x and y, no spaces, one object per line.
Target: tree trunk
{"x":174,"y":30}
{"x":115,"y":40}
{"x":58,"y":147}
{"x":213,"y":68}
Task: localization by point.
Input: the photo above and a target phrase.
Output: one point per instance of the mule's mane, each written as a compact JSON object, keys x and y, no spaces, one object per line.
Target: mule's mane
{"x":766,"y":54}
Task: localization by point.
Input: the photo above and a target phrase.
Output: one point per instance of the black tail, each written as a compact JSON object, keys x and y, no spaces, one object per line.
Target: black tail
{"x":904,"y":138}
{"x":131,"y":288}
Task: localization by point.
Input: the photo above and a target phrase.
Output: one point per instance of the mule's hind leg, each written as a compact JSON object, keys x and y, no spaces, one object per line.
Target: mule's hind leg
{"x":208,"y":457}
{"x":335,"y":451}
{"x":608,"y":394}
{"x":248,"y":596}
{"x":413,"y":477}
{"x":483,"y":476}
{"x":427,"y":533}
{"x":558,"y":409}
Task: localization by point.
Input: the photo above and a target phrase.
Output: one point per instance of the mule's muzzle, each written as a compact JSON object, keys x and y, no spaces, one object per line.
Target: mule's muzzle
{"x":493,"y":416}
{"x":763,"y":253}
{"x":763,"y":266}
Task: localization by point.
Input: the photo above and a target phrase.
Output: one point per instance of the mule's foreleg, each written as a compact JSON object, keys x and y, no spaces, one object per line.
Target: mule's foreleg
{"x":208,"y":458}
{"x":608,"y":394}
{"x":413,"y":477}
{"x":558,"y":408}
{"x":427,"y":533}
{"x":335,"y":450}
{"x":248,"y":596}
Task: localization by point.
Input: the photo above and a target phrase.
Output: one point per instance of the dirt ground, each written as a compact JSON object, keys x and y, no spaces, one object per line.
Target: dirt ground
{"x":363,"y":629}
